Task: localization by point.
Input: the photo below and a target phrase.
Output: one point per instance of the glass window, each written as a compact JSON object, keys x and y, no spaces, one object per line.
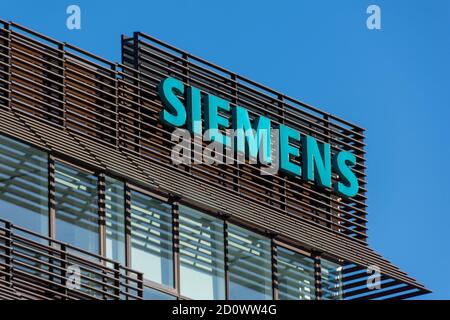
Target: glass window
{"x":76,"y":208}
{"x":151,"y":238}
{"x":295,"y":276}
{"x":152,"y":294}
{"x":249,"y":258}
{"x":115,"y":219}
{"x":201,"y":255}
{"x":331,"y":280}
{"x":23,"y":185}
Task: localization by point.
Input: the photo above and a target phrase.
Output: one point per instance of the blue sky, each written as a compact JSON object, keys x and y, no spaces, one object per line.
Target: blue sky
{"x":394,"y":82}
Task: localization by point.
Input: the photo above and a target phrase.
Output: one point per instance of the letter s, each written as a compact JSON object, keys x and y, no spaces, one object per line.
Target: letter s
{"x":341,"y":163}
{"x":174,"y":113}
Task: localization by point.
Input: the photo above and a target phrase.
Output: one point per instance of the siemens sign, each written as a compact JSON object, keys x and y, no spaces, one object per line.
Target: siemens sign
{"x":253,"y":138}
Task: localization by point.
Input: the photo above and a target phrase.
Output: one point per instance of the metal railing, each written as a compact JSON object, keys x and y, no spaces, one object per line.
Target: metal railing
{"x":33,"y":266}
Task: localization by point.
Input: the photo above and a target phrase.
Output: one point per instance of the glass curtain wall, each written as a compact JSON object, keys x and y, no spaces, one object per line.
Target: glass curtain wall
{"x":249,"y":258}
{"x":77,"y":221}
{"x":24,"y":202}
{"x":202,"y":257}
{"x":152,"y":294}
{"x":295,"y":276}
{"x":331,"y":280}
{"x":115,"y":219}
{"x":23,"y":185}
{"x":151,"y":238}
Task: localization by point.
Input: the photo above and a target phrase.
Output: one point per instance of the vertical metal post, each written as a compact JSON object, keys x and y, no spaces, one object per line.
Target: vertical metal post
{"x":8,"y":31}
{"x":117,"y":281}
{"x":138,"y":137}
{"x":234,"y":100}
{"x":136,"y":50}
{"x":327,"y":139}
{"x":127,"y":195}
{"x":65,"y":266}
{"x":275,"y":287}
{"x":51,"y":167}
{"x":226,"y":265}
{"x":283,"y":198}
{"x":174,"y":200}
{"x":101,"y":200}
{"x":284,"y":178}
{"x":317,"y":275}
{"x":116,"y":98}
{"x":64,"y":106}
{"x":122,"y":50}
{"x":140,"y":281}
{"x":51,"y":197}
{"x":184,"y":60}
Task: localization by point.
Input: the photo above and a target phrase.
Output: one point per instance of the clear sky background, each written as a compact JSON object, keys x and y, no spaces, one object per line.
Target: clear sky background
{"x":395,"y":82}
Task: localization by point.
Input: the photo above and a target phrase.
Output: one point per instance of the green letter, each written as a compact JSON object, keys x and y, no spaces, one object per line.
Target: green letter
{"x":214,"y":121}
{"x":286,"y":150}
{"x":246,"y":141}
{"x":316,"y":162}
{"x":349,"y":185}
{"x":175,"y":115}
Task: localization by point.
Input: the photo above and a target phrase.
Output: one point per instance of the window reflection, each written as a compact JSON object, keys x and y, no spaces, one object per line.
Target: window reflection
{"x":249,"y":264}
{"x":331,"y":280}
{"x":115,"y":219}
{"x":23,"y":185}
{"x":152,"y":294}
{"x":202,"y":255}
{"x":295,"y":276}
{"x":151,"y":238}
{"x":76,"y":208}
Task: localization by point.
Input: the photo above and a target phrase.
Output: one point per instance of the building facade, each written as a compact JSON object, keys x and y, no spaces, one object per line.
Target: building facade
{"x":93,"y":207}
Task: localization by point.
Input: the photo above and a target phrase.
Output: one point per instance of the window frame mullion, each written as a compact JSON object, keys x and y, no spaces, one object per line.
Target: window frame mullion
{"x":275,"y":289}
{"x":51,"y":197}
{"x":175,"y":204}
{"x":318,"y":275}
{"x":226,"y":264}
{"x":127,"y":212}
{"x":101,"y":200}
